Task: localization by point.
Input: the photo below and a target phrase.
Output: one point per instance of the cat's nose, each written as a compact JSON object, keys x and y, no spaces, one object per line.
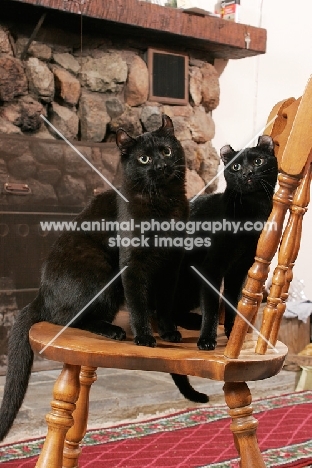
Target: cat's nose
{"x":248,"y":173}
{"x":160,"y":164}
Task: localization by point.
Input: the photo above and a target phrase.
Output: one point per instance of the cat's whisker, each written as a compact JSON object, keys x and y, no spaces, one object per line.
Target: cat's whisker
{"x":265,"y":188}
{"x":268,"y":184}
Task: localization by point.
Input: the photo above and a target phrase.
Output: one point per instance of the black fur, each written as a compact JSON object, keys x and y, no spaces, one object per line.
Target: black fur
{"x":81,"y":263}
{"x":250,"y":183}
{"x":154,"y":184}
{"x":183,"y":384}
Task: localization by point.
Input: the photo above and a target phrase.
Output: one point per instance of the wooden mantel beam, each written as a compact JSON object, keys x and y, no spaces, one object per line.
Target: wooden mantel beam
{"x":172,"y":26}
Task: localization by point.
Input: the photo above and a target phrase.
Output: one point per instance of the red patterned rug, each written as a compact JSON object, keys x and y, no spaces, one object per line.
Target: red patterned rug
{"x":196,"y":438}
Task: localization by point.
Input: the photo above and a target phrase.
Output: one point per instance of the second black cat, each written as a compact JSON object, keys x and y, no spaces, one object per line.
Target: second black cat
{"x":233,"y":221}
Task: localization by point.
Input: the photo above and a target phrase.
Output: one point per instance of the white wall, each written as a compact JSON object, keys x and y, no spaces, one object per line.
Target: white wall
{"x":250,"y":87}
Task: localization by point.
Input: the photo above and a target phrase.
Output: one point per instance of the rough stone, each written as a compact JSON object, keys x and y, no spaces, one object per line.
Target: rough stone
{"x":48,"y":174}
{"x":48,"y":153}
{"x":43,"y":133}
{"x":210,"y":87}
{"x":67,"y":61}
{"x":196,"y":85}
{"x":3,"y":167}
{"x":13,"y":81}
{"x":107,"y":73}
{"x":114,"y":107}
{"x":151,"y":118}
{"x":196,"y":62}
{"x":194,"y":183}
{"x":24,"y":114}
{"x":65,"y":120}
{"x":181,"y":128}
{"x":7,"y":127}
{"x":129,"y":121}
{"x":74,"y":164}
{"x":204,"y":86}
{"x":136,"y":91}
{"x":36,"y":49}
{"x":11,"y":148}
{"x":201,"y":126}
{"x":43,"y":194}
{"x":191,"y":157}
{"x":30,"y":113}
{"x":67,"y":87}
{"x":40,"y":51}
{"x":178,"y":111}
{"x":106,"y":160}
{"x":23,"y":166}
{"x":209,"y":162}
{"x":11,"y":113}
{"x":3,"y":179}
{"x":41,"y":79}
{"x":5,"y":45}
{"x":8,"y":311}
{"x":93,"y":117}
{"x":71,"y":191}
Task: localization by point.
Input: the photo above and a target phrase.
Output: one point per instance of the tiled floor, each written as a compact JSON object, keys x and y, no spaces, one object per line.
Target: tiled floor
{"x":119,"y":395}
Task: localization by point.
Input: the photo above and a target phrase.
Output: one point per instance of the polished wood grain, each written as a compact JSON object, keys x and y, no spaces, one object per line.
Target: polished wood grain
{"x":258,"y":273}
{"x":76,"y":433}
{"x":171,"y":26}
{"x":244,"y":425}
{"x":287,"y":256}
{"x":60,"y":419}
{"x":81,"y":347}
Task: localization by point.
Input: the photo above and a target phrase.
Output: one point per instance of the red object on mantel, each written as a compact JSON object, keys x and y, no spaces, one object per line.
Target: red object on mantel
{"x":230,"y":10}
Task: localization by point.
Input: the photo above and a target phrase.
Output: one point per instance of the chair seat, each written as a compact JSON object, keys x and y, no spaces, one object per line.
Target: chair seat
{"x":79,"y":347}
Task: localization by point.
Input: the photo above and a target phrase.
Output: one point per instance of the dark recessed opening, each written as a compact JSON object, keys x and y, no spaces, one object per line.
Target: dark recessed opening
{"x":168,"y":75}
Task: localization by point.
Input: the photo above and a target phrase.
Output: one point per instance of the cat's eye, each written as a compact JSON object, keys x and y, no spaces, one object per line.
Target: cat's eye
{"x":236,"y":167}
{"x":166,"y":151}
{"x":145,"y":159}
{"x":258,"y":161}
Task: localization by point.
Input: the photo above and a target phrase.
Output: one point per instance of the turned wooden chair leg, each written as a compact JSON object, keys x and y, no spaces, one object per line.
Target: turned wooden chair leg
{"x":76,"y":433}
{"x":60,"y":419}
{"x":244,"y":425}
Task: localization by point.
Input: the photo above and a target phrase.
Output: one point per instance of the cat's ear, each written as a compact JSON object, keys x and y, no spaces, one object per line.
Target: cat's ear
{"x":226,"y":153}
{"x":167,"y":124}
{"x":123,"y":140}
{"x":266,"y":143}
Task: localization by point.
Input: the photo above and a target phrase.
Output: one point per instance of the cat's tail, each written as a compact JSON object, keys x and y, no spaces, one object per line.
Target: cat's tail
{"x":20,"y":359}
{"x":183,"y":384}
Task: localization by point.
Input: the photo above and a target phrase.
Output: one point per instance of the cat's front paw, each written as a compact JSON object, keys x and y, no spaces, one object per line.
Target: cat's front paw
{"x":172,"y":336}
{"x":115,"y":333}
{"x":206,"y":344}
{"x":145,"y":340}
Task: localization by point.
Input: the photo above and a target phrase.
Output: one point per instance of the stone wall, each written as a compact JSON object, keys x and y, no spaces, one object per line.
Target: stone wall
{"x":87,"y":94}
{"x":55,"y":174}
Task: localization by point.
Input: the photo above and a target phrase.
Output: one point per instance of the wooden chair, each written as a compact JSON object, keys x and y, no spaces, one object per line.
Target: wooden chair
{"x":245,"y":357}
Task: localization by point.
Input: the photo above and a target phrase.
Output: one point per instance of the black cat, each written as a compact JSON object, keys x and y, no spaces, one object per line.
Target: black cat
{"x":81,"y":263}
{"x":154,"y":184}
{"x":238,"y":216}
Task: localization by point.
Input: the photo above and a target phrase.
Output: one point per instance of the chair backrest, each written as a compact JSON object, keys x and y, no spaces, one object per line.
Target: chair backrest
{"x":291,"y":131}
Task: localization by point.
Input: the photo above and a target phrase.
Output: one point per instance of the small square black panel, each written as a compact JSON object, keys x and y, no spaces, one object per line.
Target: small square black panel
{"x":168,"y":77}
